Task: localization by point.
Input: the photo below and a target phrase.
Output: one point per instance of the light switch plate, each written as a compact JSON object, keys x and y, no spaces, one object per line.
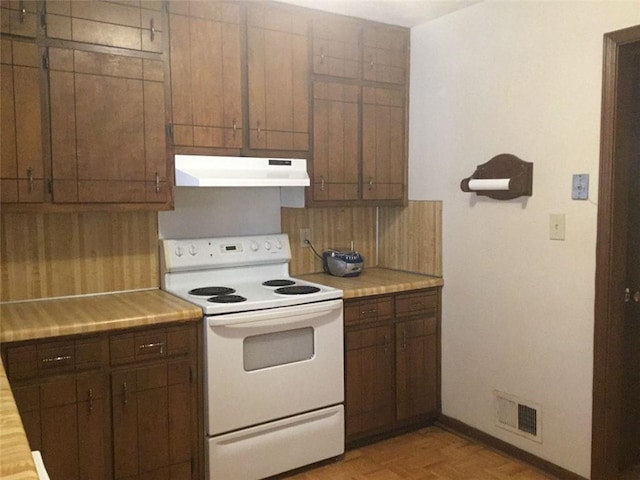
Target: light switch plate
{"x":580,"y":187}
{"x":556,"y":226}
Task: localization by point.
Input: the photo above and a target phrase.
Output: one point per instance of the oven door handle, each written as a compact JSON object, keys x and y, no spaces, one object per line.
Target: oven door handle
{"x":275,"y":316}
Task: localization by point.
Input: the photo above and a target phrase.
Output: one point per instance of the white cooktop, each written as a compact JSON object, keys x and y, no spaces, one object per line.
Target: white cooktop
{"x":239,"y":263}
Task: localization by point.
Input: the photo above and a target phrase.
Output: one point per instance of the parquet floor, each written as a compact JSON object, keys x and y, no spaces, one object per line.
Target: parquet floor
{"x":427,"y":454}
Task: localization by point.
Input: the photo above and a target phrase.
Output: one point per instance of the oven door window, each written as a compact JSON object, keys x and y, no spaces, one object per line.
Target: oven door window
{"x":278,"y":348}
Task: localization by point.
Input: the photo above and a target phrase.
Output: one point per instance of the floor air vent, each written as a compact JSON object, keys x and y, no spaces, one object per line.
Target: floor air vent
{"x":517,"y":416}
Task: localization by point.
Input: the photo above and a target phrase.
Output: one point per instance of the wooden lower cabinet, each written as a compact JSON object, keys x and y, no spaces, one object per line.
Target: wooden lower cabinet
{"x":67,"y":420}
{"x":129,"y":411}
{"x":392,"y":363}
{"x":153,"y":421}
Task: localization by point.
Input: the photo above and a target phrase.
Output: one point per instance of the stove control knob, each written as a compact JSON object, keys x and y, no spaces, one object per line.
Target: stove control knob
{"x":254,"y":246}
{"x":193,"y":251}
{"x":278,"y":244}
{"x":267,"y":245}
{"x":179,"y":251}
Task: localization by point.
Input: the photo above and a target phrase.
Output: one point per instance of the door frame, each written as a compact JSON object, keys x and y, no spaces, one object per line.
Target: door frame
{"x":610,"y":268}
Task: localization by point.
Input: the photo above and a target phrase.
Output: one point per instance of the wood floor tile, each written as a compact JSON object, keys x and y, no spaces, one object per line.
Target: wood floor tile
{"x":427,"y":454}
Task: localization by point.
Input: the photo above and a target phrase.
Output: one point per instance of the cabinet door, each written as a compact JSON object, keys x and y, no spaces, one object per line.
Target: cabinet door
{"x":385,"y":55}
{"x":206,"y":90}
{"x":336,"y":47}
{"x":154,"y":422}
{"x":19,"y":17}
{"x":21,"y":166}
{"x":278,"y":84}
{"x":335,"y":141}
{"x":125,"y":24}
{"x":67,"y":420}
{"x":369,"y":398}
{"x":107,"y":128}
{"x":416,"y":368}
{"x":383,"y":144}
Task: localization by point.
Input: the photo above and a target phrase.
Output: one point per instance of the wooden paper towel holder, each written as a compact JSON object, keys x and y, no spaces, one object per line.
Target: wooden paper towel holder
{"x":503,"y":166}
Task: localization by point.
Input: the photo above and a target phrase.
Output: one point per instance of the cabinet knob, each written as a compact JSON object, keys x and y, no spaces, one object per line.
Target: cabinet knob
{"x":370,"y":183}
{"x":30,"y":177}
{"x":23,"y":11}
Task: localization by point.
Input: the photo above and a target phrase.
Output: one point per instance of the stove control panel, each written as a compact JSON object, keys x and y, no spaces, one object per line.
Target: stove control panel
{"x":220,"y":252}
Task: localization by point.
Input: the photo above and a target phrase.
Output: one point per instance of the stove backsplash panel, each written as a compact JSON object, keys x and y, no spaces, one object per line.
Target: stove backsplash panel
{"x":221,"y":212}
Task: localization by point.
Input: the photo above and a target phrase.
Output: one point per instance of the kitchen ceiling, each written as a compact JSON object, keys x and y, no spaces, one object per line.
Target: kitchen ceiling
{"x":406,"y":13}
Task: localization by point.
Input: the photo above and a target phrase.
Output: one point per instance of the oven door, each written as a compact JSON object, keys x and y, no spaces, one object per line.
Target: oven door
{"x":271,"y":364}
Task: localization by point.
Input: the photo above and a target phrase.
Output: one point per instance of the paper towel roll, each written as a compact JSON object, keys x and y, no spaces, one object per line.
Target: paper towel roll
{"x":489,"y":184}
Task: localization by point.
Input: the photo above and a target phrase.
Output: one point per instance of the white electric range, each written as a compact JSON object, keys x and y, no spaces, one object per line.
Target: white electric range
{"x":273,"y":354}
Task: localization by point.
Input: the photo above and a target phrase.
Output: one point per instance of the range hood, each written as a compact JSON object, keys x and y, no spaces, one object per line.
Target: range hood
{"x":218,"y":171}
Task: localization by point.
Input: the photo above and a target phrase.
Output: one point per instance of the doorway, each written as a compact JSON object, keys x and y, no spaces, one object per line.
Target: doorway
{"x":616,"y":381}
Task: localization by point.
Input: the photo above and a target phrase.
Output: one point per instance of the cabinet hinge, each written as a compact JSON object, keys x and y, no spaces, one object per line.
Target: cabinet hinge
{"x":45,"y":60}
{"x":169,"y":130}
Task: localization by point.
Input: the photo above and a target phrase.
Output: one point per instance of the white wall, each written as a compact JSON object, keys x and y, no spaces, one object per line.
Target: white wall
{"x":521,"y":78}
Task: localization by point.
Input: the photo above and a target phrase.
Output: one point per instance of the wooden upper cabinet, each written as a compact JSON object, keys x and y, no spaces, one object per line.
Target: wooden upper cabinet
{"x":277,"y":45}
{"x":107,"y":128}
{"x":21,"y":152}
{"x":19,"y":17}
{"x":206,"y":74}
{"x":385,"y":54}
{"x":133,"y":25}
{"x":335,"y":141}
{"x":336,"y":47}
{"x":383,"y":144}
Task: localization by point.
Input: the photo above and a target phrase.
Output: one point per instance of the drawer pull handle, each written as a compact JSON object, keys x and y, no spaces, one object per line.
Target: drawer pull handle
{"x":259,"y":129}
{"x":386,"y":343}
{"x":125,"y":398}
{"x":54,"y":360}
{"x":23,"y":11}
{"x":157,"y":183}
{"x":235,"y":127}
{"x":90,"y":399}
{"x":148,"y":347}
{"x":321,"y":55}
{"x":367,"y":312}
{"x":152,"y":27}
{"x":416,"y":305}
{"x":404,"y":339}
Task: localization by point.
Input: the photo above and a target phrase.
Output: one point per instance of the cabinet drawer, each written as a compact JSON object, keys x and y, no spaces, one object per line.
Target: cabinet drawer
{"x":50,"y":358}
{"x":151,"y":344}
{"x":416,"y":303}
{"x":368,"y":310}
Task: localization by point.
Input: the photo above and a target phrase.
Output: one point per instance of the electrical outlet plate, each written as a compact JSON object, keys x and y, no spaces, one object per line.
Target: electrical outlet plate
{"x":580,"y":187}
{"x":305,"y":234}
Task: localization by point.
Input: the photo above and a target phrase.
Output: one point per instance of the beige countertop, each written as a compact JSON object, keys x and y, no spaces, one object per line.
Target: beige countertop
{"x":375,"y":281}
{"x":89,"y":314}
{"x":71,"y":316}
